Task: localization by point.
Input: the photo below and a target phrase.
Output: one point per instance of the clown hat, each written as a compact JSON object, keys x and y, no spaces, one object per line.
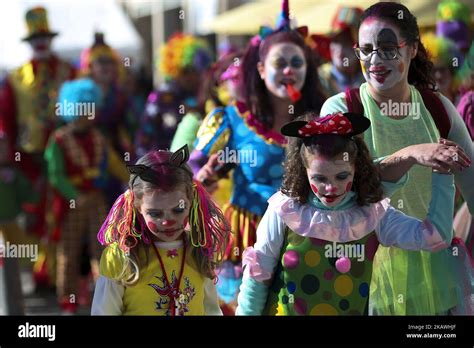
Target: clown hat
{"x":99,"y":50}
{"x":37,"y":24}
{"x":346,"y":19}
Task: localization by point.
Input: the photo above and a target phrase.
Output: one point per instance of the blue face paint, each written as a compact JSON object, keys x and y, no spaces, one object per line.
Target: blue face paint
{"x":284,"y":65}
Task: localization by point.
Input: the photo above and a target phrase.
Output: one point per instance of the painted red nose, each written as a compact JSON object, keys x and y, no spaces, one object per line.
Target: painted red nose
{"x":168,"y":222}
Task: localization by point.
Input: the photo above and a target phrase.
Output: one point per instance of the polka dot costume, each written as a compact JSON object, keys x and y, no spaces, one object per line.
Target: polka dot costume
{"x":309,"y":282}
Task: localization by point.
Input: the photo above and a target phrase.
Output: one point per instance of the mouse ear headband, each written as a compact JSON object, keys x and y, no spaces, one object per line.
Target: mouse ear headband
{"x":345,"y":124}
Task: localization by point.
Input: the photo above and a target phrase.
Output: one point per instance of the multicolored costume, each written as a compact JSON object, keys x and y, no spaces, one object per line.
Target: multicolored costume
{"x":27,"y":110}
{"x":166,"y":106}
{"x":197,"y":294}
{"x":446,"y":57}
{"x":423,"y":279}
{"x":178,"y":278}
{"x":77,"y":161}
{"x":321,"y":258}
{"x":238,"y":137}
{"x":326,"y":253}
{"x":111,"y":118}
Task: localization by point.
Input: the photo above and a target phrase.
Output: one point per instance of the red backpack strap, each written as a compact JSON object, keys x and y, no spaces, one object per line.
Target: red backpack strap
{"x":437,"y":110}
{"x":353,"y":101}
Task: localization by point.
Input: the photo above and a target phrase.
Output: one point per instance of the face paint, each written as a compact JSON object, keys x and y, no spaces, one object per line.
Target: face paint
{"x":151,"y":225}
{"x":348,"y":186}
{"x":383,"y":74}
{"x":330,"y":180}
{"x":388,"y":37}
{"x":284,"y":65}
{"x":168,"y":223}
{"x":165,"y":213}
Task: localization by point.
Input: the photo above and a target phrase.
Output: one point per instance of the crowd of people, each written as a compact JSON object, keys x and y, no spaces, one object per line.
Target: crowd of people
{"x":304,"y":174}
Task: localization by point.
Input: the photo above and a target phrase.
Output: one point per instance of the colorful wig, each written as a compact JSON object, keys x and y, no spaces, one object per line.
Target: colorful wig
{"x":73,"y":96}
{"x":183,"y":51}
{"x":453,"y":22}
{"x":442,"y":51}
{"x":163,"y":170}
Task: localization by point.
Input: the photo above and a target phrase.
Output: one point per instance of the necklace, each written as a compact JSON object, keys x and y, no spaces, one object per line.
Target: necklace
{"x":174,"y":291}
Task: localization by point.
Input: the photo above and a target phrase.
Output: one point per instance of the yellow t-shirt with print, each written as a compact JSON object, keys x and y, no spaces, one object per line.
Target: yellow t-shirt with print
{"x":149,"y":295}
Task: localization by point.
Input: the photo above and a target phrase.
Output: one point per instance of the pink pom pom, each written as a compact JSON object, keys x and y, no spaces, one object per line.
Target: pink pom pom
{"x":343,"y":264}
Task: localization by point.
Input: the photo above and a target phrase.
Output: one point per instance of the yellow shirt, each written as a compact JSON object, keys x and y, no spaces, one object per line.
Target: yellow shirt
{"x":149,"y":295}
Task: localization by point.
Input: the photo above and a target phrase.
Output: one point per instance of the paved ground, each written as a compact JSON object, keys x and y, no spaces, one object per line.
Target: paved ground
{"x":44,"y":302}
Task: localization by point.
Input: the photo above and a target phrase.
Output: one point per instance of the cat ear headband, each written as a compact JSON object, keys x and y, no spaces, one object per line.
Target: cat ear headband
{"x":147,"y":173}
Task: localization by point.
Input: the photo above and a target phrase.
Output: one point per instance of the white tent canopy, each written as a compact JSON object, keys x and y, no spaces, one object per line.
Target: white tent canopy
{"x":76,"y":22}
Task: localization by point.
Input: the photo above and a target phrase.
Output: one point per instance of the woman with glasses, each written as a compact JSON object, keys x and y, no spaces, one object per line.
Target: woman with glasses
{"x":406,"y":128}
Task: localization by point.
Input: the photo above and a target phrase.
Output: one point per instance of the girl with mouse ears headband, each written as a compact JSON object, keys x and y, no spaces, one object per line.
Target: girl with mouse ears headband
{"x":317,"y":239}
{"x":277,"y":59}
{"x":167,"y":214}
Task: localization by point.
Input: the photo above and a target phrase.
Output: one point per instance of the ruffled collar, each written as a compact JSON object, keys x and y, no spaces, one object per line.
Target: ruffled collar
{"x":343,"y":225}
{"x":268,"y":135}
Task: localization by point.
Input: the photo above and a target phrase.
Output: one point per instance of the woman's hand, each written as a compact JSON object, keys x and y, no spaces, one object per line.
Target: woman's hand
{"x":444,"y":157}
{"x":207,"y":175}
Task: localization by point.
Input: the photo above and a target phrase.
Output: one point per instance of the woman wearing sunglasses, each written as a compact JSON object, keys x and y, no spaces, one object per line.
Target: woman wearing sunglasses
{"x":409,"y":123}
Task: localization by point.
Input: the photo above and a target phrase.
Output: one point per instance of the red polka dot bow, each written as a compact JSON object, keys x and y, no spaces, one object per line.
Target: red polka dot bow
{"x":335,"y":123}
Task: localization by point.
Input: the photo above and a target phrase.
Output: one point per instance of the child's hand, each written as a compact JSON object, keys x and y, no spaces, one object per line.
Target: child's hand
{"x":207,"y":175}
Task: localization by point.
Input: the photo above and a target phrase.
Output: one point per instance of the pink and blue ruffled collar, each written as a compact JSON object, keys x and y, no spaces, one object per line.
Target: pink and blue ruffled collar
{"x":342,"y":225}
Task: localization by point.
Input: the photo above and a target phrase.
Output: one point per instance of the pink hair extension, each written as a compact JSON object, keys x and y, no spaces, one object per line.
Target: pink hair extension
{"x":119,"y":226}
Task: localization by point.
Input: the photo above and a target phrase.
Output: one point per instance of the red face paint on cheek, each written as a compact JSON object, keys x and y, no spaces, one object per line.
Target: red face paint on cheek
{"x":401,"y":68}
{"x":348,"y":186}
{"x":314,"y":188}
{"x":185,"y":222}
{"x":151,"y":225}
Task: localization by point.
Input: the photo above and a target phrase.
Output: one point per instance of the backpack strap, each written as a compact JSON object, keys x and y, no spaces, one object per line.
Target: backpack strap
{"x":437,"y":110}
{"x":431,"y":100}
{"x":353,"y":101}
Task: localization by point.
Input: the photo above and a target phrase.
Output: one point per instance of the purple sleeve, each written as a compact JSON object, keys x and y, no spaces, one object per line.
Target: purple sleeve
{"x":197,"y":159}
{"x":466,"y":110}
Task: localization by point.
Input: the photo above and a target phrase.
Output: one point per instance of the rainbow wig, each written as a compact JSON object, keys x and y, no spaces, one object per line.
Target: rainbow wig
{"x":163,"y":170}
{"x":183,"y":51}
{"x":442,"y":51}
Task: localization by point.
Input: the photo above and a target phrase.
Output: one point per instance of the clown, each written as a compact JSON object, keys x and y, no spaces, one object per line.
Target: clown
{"x":77,"y":158}
{"x":279,"y":79}
{"x":27,"y":117}
{"x":182,"y":60}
